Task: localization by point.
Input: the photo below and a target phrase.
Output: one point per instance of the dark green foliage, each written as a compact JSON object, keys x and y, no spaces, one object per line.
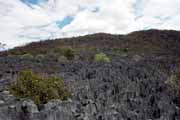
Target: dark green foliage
{"x":68,"y":52}
{"x":38,"y":88}
{"x":120,"y":50}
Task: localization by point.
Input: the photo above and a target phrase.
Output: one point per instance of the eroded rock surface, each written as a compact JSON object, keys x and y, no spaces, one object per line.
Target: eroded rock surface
{"x":121,"y":90}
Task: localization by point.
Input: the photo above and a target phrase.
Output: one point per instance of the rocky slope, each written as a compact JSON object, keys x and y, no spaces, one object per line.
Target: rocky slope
{"x":133,"y":86}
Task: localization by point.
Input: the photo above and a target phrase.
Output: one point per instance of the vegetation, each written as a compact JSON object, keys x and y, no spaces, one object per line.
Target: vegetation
{"x":174,"y":81}
{"x":27,"y":55}
{"x":101,"y":57}
{"x":63,"y":59}
{"x":68,"y":52}
{"x":120,"y":51}
{"x":38,"y":88}
{"x":141,"y":42}
{"x":2,"y":46}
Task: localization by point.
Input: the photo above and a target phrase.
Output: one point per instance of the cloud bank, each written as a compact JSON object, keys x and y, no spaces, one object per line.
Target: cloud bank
{"x":23,"y":21}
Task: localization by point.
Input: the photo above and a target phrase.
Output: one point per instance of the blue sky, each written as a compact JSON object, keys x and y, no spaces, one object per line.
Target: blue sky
{"x":31,"y":1}
{"x":24,"y":21}
{"x":67,"y":20}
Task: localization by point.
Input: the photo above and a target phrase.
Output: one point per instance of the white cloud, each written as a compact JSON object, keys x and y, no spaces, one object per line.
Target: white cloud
{"x":161,"y":14}
{"x":21,"y":23}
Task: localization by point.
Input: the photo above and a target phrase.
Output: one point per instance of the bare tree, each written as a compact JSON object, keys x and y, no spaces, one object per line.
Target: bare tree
{"x":2,"y":46}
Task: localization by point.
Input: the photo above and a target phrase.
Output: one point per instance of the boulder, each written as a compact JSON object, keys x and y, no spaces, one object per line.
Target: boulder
{"x":28,"y":106}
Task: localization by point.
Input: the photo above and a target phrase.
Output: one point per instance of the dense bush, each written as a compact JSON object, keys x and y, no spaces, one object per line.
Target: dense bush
{"x":101,"y":57}
{"x":68,"y":52}
{"x":38,"y":88}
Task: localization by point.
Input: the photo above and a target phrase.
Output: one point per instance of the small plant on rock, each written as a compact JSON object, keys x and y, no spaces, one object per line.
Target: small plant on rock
{"x":38,"y":88}
{"x":174,"y":81}
{"x":62,"y":59}
{"x":27,"y":55}
{"x":101,"y":57}
{"x":120,"y":51}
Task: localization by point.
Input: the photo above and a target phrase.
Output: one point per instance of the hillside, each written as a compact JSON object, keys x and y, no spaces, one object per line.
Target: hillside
{"x":120,"y":77}
{"x":150,"y":41}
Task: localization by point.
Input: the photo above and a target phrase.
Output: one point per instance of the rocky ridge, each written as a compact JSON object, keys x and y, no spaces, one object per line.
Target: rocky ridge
{"x":121,"y":90}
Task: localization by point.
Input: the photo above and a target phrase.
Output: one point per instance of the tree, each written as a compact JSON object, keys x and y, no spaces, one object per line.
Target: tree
{"x":2,"y":46}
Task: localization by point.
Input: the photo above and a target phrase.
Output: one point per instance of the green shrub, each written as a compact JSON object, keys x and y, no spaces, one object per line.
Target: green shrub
{"x":27,"y":55}
{"x":68,"y":52}
{"x":174,"y":81}
{"x":63,"y":59}
{"x":38,"y":88}
{"x":101,"y":57}
{"x":120,"y":50}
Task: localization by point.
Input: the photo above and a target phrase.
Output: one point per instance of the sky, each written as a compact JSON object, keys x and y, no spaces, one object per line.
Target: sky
{"x":24,"y":21}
